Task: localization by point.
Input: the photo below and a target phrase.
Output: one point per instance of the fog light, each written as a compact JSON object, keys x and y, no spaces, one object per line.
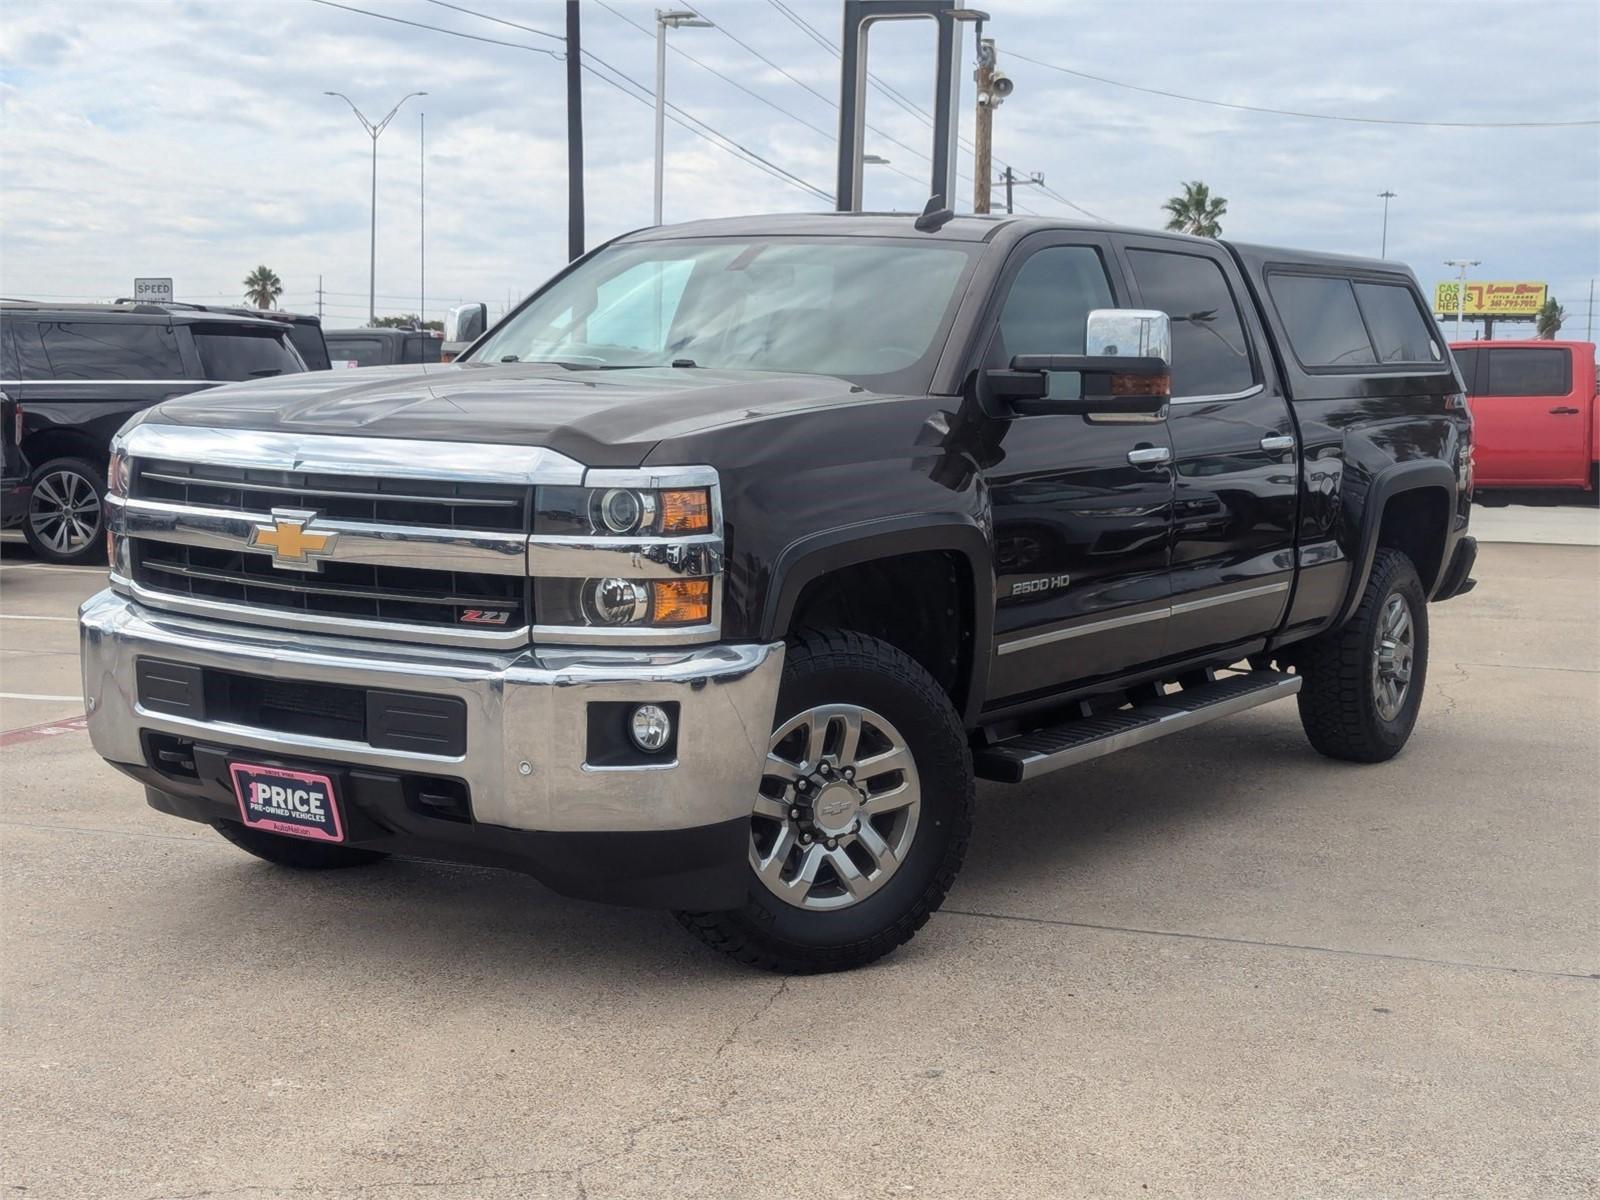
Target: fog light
{"x":650,"y":727}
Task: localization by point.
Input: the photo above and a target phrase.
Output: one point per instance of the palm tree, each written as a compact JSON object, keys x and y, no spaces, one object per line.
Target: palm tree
{"x":262,"y":287}
{"x":1197,"y":211}
{"x":1549,"y":320}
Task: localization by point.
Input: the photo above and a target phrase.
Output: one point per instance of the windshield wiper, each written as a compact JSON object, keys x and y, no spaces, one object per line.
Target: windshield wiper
{"x":260,"y":372}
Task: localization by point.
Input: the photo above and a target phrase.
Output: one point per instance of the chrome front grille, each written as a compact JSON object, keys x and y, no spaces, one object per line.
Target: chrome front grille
{"x":445,"y":504}
{"x":358,"y":591}
{"x":363,"y":537}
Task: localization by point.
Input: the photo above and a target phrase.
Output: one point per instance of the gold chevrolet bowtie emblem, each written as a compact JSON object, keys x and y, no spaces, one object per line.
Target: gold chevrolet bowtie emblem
{"x":293,"y":546}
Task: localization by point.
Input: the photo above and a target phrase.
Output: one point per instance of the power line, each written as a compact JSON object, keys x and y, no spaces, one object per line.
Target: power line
{"x":1312,"y":116}
{"x":1055,"y":195}
{"x":437,"y":28}
{"x":679,"y":116}
{"x":725,"y":78}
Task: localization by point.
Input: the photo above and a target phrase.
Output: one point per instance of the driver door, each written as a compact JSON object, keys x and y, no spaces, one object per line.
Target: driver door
{"x":1082,"y":504}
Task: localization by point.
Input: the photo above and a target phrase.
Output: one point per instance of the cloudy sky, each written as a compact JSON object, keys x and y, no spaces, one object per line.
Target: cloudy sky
{"x":192,"y":138}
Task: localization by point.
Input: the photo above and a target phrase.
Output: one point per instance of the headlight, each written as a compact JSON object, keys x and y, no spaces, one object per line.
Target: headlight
{"x":618,"y":603}
{"x":623,"y":512}
{"x":119,"y":473}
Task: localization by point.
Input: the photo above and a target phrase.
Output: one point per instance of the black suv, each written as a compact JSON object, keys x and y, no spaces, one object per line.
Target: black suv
{"x":81,"y":370}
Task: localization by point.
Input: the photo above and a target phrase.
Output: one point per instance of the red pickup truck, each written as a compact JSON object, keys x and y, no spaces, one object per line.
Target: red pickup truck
{"x":1534,"y":413}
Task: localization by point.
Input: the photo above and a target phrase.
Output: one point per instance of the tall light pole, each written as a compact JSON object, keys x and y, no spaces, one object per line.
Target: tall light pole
{"x":1386,"y":195}
{"x":678,"y":18}
{"x":1461,"y":264}
{"x":373,"y":131}
{"x":422,"y":220}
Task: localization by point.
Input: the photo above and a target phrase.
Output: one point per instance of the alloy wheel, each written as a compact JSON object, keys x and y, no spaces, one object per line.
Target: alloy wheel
{"x":1392,"y":657}
{"x":64,"y":511}
{"x":837,"y":807}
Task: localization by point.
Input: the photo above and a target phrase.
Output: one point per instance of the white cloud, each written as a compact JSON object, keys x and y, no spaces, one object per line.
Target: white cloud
{"x":192,"y":138}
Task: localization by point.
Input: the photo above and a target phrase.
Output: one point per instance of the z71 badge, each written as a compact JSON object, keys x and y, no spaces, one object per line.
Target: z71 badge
{"x":1047,"y":583}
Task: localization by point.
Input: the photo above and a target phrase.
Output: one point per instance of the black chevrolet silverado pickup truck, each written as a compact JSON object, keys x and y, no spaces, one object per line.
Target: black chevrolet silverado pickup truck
{"x":714,"y":574}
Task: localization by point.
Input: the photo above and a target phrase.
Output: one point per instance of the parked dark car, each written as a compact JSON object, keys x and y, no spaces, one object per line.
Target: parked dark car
{"x":16,"y":477}
{"x":714,"y":574}
{"x":305,"y":330}
{"x":81,"y":370}
{"x":382,"y":347}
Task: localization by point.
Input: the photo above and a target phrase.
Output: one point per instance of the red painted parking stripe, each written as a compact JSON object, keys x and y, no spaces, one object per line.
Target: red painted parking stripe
{"x":50,"y":729}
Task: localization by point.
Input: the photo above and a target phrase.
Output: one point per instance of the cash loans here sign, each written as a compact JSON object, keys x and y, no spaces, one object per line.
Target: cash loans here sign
{"x":1492,"y":299}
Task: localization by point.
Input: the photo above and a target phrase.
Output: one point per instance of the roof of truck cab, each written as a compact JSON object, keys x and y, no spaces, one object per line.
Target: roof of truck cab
{"x":966,"y":227}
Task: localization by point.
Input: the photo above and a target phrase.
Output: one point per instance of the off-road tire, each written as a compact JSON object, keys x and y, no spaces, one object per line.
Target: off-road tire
{"x":94,"y":550}
{"x":1337,"y":707}
{"x":298,"y":853}
{"x":845,"y":667}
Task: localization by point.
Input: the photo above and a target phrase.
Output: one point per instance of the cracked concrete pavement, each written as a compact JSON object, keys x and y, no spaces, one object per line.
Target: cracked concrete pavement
{"x":1217,"y":966}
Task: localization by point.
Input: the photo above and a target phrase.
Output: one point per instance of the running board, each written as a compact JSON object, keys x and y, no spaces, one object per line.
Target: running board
{"x":1030,"y":755}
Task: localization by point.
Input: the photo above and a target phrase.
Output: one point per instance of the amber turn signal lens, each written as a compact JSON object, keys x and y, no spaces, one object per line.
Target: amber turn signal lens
{"x":681,"y":601}
{"x":686,"y":511}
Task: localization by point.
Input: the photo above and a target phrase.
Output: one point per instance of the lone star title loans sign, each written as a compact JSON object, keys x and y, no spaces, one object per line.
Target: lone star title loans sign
{"x":1497,"y":299}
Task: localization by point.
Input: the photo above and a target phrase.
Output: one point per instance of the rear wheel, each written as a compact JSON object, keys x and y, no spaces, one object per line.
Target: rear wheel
{"x":299,"y":853}
{"x":1363,"y":682}
{"x":862,"y":815}
{"x":66,"y":513}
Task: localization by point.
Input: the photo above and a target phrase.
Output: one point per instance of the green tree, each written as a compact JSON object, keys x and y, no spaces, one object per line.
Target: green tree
{"x":262,"y":287}
{"x":1196,"y":211}
{"x":1551,"y":315}
{"x":407,"y":321}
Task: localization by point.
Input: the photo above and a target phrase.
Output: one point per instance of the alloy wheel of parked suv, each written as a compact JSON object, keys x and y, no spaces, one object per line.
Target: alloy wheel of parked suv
{"x":66,"y":521}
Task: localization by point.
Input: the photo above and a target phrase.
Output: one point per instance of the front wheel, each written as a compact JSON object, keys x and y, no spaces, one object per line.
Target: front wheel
{"x":1363,"y":682}
{"x":862,"y":815}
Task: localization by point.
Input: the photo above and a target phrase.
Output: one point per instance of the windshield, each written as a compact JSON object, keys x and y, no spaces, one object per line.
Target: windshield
{"x":231,"y":354}
{"x":873,"y":312}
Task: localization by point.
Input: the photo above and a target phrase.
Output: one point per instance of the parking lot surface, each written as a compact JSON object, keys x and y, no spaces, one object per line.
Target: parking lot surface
{"x":1217,"y":966}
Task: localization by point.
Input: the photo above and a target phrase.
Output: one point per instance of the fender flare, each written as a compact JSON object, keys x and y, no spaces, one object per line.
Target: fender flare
{"x":1387,"y":484}
{"x":807,"y":559}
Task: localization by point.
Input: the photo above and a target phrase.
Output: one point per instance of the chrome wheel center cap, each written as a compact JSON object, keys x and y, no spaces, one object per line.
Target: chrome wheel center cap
{"x":834,"y":810}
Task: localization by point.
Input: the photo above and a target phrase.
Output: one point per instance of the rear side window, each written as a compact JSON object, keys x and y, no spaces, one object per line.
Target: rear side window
{"x":1467,"y":364}
{"x":232,"y":354}
{"x":362,"y":352}
{"x":1320,"y":315}
{"x":25,"y":352}
{"x":307,"y":339}
{"x":1210,"y":354}
{"x":1399,"y":333}
{"x":1525,"y":371}
{"x":117,"y":349}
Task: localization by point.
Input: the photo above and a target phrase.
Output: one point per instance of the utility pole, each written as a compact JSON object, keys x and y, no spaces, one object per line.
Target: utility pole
{"x":676,"y":19}
{"x":374,"y":131}
{"x":1461,"y":264}
{"x":574,"y":134}
{"x":319,"y":298}
{"x":422,"y":221}
{"x":1386,"y":196}
{"x":1011,"y":180}
{"x":983,"y":128}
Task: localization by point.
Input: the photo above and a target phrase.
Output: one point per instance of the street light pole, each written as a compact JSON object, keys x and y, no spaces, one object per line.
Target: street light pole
{"x":676,"y":19}
{"x":1387,"y":196}
{"x":374,"y":131}
{"x":1461,"y":287}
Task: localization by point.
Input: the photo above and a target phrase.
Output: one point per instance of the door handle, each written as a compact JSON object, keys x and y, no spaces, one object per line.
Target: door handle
{"x":1277,"y":443}
{"x":1149,"y":456}
{"x":1564,"y":411}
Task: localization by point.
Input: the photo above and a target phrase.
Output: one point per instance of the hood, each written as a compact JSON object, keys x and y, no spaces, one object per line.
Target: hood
{"x":601,"y":418}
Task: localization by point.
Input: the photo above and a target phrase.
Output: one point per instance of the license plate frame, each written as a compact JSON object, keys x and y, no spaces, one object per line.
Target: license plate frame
{"x":302,"y":804}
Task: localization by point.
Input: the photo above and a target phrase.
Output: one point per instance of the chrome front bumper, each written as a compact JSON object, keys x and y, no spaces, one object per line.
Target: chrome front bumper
{"x":527,"y":714}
